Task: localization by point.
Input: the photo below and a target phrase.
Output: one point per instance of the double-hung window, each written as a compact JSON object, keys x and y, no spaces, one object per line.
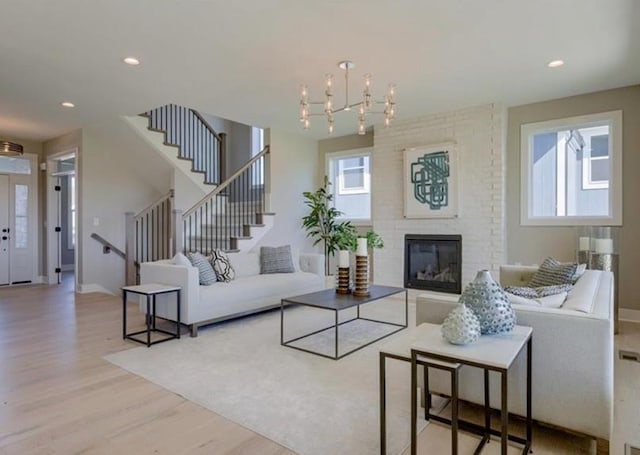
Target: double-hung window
{"x":571,"y":171}
{"x":350,"y":175}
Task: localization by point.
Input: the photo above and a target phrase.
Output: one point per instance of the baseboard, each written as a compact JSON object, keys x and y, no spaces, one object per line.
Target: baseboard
{"x":88,"y":288}
{"x":629,"y":315}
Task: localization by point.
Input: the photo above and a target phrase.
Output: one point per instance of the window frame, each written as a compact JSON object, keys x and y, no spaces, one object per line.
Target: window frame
{"x":336,"y":184}
{"x":528,"y":130}
{"x":587,"y":168}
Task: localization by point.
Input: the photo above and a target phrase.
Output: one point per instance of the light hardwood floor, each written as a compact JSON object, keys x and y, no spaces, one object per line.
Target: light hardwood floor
{"x":58,"y":396}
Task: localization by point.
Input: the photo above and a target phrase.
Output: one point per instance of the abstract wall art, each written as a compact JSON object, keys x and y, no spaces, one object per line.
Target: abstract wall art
{"x":431,"y":181}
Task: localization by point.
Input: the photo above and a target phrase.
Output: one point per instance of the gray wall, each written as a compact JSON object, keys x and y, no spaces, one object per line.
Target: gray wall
{"x":532,"y":244}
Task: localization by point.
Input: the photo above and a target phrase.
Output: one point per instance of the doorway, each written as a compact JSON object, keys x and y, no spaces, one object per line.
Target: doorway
{"x":62,"y":219}
{"x":18,"y":211}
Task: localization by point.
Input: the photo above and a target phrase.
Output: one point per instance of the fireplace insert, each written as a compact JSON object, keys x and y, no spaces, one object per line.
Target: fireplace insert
{"x":433,"y":262}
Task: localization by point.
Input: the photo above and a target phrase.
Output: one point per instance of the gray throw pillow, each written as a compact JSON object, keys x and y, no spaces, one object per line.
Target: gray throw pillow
{"x":221,"y":266}
{"x":206,"y":274}
{"x":552,"y":273}
{"x":276,"y":259}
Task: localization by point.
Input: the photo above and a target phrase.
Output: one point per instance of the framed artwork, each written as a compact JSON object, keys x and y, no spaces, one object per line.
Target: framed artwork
{"x":431,"y":181}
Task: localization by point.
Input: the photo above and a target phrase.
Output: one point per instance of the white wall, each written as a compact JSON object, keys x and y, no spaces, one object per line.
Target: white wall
{"x":479,"y":135}
{"x":293,"y":171}
{"x":119,"y":172}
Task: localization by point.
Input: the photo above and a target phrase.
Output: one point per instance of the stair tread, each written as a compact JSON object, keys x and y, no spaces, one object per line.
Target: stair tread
{"x":255,"y":224}
{"x":241,"y":237}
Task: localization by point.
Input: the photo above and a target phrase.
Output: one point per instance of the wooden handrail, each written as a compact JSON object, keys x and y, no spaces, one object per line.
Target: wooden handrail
{"x":227,"y":182}
{"x":206,"y":124}
{"x":154,"y":204}
{"x":109,"y":245}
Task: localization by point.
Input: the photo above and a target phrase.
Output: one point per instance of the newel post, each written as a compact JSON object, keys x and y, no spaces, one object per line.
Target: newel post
{"x":177,"y":240}
{"x":130,"y":274}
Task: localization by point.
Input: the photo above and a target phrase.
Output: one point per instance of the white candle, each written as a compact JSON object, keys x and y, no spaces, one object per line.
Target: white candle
{"x":584,"y":244}
{"x":362,"y":247}
{"x":604,"y":246}
{"x":343,"y":258}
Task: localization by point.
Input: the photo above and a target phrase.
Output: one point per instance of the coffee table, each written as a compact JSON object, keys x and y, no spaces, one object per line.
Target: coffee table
{"x":330,"y":300}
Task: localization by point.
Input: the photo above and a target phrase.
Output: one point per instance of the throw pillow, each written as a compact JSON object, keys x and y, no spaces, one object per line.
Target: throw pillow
{"x":546,"y":291}
{"x":222,"y":266}
{"x":181,"y":259}
{"x":522,"y":291}
{"x":206,"y":274}
{"x":276,"y":259}
{"x":551,"y":273}
{"x":580,"y":269}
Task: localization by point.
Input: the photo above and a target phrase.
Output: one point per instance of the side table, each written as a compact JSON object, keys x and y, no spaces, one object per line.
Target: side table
{"x":151,"y":291}
{"x":491,"y":353}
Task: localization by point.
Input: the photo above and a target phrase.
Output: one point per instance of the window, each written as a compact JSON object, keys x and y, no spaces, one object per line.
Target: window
{"x":13,"y":165}
{"x":71,"y":231}
{"x":572,"y":171}
{"x":21,"y":234}
{"x":350,"y":175}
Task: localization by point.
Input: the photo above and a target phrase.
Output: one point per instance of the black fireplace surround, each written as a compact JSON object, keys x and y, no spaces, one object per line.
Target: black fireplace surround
{"x":433,"y":262}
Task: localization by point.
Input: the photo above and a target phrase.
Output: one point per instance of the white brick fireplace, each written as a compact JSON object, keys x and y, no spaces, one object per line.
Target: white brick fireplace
{"x":479,"y":135}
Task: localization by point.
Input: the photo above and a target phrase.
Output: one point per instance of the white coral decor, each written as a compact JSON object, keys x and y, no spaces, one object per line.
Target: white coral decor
{"x":461,"y":326}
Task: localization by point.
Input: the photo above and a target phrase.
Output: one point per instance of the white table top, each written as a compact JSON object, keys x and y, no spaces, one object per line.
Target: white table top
{"x":401,"y":344}
{"x":491,"y":350}
{"x":151,"y":288}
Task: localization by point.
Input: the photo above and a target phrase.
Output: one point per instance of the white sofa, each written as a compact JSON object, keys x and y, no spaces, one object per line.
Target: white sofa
{"x":572,"y":355}
{"x":248,"y":293}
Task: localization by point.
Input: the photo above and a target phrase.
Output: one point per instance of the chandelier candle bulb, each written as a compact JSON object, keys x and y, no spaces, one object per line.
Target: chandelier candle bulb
{"x":362,"y":247}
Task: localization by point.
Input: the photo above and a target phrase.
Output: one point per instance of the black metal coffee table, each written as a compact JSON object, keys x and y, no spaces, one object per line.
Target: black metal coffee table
{"x":329,"y":299}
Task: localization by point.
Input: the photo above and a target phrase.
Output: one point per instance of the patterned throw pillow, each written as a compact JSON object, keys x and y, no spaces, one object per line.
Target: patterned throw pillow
{"x":206,"y":274}
{"x":522,"y":291}
{"x":546,"y":291}
{"x":276,"y":259}
{"x":551,"y":273}
{"x":535,"y":293}
{"x":222,"y":266}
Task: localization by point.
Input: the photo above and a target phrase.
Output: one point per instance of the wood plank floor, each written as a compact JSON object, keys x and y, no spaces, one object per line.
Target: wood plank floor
{"x":58,"y":396}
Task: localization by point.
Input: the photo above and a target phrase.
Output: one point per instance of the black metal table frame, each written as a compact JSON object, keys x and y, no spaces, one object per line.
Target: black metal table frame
{"x":485,"y":431}
{"x":453,"y":369}
{"x":150,"y":318}
{"x":337,"y":324}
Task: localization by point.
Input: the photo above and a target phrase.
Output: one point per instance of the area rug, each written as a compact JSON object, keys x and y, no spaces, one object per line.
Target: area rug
{"x":309,"y":404}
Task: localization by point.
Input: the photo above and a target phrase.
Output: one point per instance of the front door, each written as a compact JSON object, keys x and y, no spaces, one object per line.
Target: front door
{"x":21,"y":229}
{"x":4,"y":230}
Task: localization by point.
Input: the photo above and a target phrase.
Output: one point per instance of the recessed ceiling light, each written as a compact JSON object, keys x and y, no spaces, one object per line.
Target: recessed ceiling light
{"x":555,"y":63}
{"x":68,"y":104}
{"x":131,"y":61}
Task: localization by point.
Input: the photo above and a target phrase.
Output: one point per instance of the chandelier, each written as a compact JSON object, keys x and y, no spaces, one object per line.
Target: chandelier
{"x":8,"y":148}
{"x":364,"y":107}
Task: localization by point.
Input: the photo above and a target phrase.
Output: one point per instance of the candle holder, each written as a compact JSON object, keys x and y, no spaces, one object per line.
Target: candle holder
{"x":362,"y":277}
{"x":343,"y":281}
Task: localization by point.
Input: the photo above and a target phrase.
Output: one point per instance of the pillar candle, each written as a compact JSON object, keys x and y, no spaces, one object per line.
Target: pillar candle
{"x":604,"y":246}
{"x":584,"y":244}
{"x":362,"y":247}
{"x":343,"y":258}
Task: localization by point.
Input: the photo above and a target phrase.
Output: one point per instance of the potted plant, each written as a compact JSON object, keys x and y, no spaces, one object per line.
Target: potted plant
{"x":321,"y":223}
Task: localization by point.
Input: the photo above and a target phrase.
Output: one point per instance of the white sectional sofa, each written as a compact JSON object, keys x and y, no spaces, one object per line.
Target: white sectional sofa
{"x":573,"y":355}
{"x":248,"y":293}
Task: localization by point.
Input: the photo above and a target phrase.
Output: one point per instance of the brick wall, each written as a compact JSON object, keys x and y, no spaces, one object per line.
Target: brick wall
{"x":479,"y":134}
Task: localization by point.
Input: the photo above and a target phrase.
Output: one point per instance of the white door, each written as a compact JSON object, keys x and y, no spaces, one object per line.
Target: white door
{"x":21,"y":229}
{"x":4,"y":229}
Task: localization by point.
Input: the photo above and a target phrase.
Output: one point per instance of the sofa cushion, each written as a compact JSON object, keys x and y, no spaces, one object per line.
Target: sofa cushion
{"x":222,"y":266}
{"x":245,"y":264}
{"x":551,"y":273}
{"x":206,"y":274}
{"x":583,"y":294}
{"x":276,"y":259}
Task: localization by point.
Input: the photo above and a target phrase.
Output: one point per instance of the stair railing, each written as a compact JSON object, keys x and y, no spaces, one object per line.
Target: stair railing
{"x":196,"y":140}
{"x":224,"y":215}
{"x":149,"y":236}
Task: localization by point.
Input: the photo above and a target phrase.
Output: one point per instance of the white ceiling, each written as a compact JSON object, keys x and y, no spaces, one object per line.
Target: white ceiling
{"x":245,"y":60}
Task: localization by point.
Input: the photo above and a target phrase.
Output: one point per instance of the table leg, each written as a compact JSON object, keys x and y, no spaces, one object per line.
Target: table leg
{"x":153,"y":311}
{"x":414,"y":405}
{"x":148,"y":321}
{"x":406,"y":308}
{"x":504,"y":433}
{"x":336,"y":311}
{"x":454,"y":412}
{"x":529,"y":404}
{"x":358,"y":312}
{"x":124,"y":314}
{"x":179,"y":320}
{"x":487,"y":406}
{"x":427,"y":394}
{"x":383,"y":405}
{"x":281,"y":322}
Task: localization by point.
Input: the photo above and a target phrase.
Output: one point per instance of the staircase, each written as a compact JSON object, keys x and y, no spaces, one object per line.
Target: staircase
{"x":233,"y":216}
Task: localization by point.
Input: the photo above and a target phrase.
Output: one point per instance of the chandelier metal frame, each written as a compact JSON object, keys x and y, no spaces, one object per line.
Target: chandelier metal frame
{"x":364,"y":107}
